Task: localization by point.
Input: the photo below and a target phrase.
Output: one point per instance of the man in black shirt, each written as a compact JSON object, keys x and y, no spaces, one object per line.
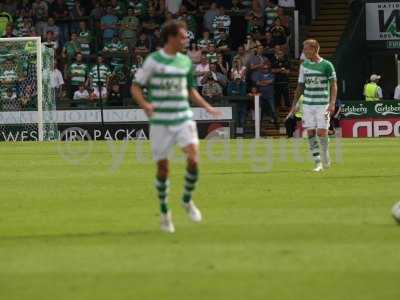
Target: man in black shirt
{"x":281,"y":69}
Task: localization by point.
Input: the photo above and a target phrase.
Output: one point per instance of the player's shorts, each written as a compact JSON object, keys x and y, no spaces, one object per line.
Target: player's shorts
{"x":315,"y":117}
{"x":163,"y":138}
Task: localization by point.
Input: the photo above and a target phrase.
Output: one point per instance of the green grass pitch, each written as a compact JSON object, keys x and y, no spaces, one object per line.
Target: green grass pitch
{"x":89,"y":229}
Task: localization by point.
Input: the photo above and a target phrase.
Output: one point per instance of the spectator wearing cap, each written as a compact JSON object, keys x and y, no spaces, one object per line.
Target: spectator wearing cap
{"x":109,"y":25}
{"x":372,"y":91}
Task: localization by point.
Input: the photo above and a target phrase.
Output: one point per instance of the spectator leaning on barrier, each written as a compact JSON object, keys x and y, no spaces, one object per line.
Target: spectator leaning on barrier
{"x":80,"y":96}
{"x":372,"y":91}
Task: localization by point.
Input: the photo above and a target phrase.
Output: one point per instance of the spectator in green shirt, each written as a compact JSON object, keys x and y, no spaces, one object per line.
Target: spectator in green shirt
{"x":99,"y":69}
{"x":85,"y":38}
{"x":129,"y":26}
{"x":117,"y":50}
{"x":71,"y":48}
{"x":77,"y":74}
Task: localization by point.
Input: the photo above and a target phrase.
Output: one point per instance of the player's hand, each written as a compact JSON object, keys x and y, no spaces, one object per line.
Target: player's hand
{"x":290,"y":114}
{"x":149,"y":109}
{"x":213,"y":111}
{"x":331,"y":109}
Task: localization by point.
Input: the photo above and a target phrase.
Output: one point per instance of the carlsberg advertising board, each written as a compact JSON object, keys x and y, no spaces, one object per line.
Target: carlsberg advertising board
{"x":352,"y":110}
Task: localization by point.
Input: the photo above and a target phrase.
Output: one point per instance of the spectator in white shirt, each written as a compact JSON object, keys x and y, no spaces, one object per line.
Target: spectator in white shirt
{"x":56,"y":80}
{"x":397,"y":93}
{"x":81,"y":94}
{"x":202,"y":69}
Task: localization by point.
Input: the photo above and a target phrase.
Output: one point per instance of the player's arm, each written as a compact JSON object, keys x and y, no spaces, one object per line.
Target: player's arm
{"x":141,"y":79}
{"x":137,"y":94}
{"x":200,"y":101}
{"x":298,"y":92}
{"x":332,"y":102}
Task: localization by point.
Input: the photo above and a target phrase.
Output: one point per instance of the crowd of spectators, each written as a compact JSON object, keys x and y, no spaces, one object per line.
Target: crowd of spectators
{"x":238,"y":47}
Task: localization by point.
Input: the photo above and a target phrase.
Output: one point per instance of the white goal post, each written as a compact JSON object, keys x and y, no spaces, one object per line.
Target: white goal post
{"x":21,"y":70}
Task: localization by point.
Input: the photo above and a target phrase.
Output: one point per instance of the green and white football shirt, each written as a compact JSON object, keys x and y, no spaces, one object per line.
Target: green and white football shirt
{"x":168,"y":80}
{"x":104,"y":74}
{"x":317,"y":77}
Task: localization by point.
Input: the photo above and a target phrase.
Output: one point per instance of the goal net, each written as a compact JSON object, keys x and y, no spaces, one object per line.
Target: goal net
{"x":27,"y":98}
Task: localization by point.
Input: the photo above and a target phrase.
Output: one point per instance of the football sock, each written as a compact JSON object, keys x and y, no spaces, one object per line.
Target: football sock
{"x":191,"y":178}
{"x":314,"y":148}
{"x":324,"y":140}
{"x":162,"y":186}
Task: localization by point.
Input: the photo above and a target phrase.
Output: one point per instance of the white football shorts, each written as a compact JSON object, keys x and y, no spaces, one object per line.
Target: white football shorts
{"x":163,"y":138}
{"x":315,"y":116}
